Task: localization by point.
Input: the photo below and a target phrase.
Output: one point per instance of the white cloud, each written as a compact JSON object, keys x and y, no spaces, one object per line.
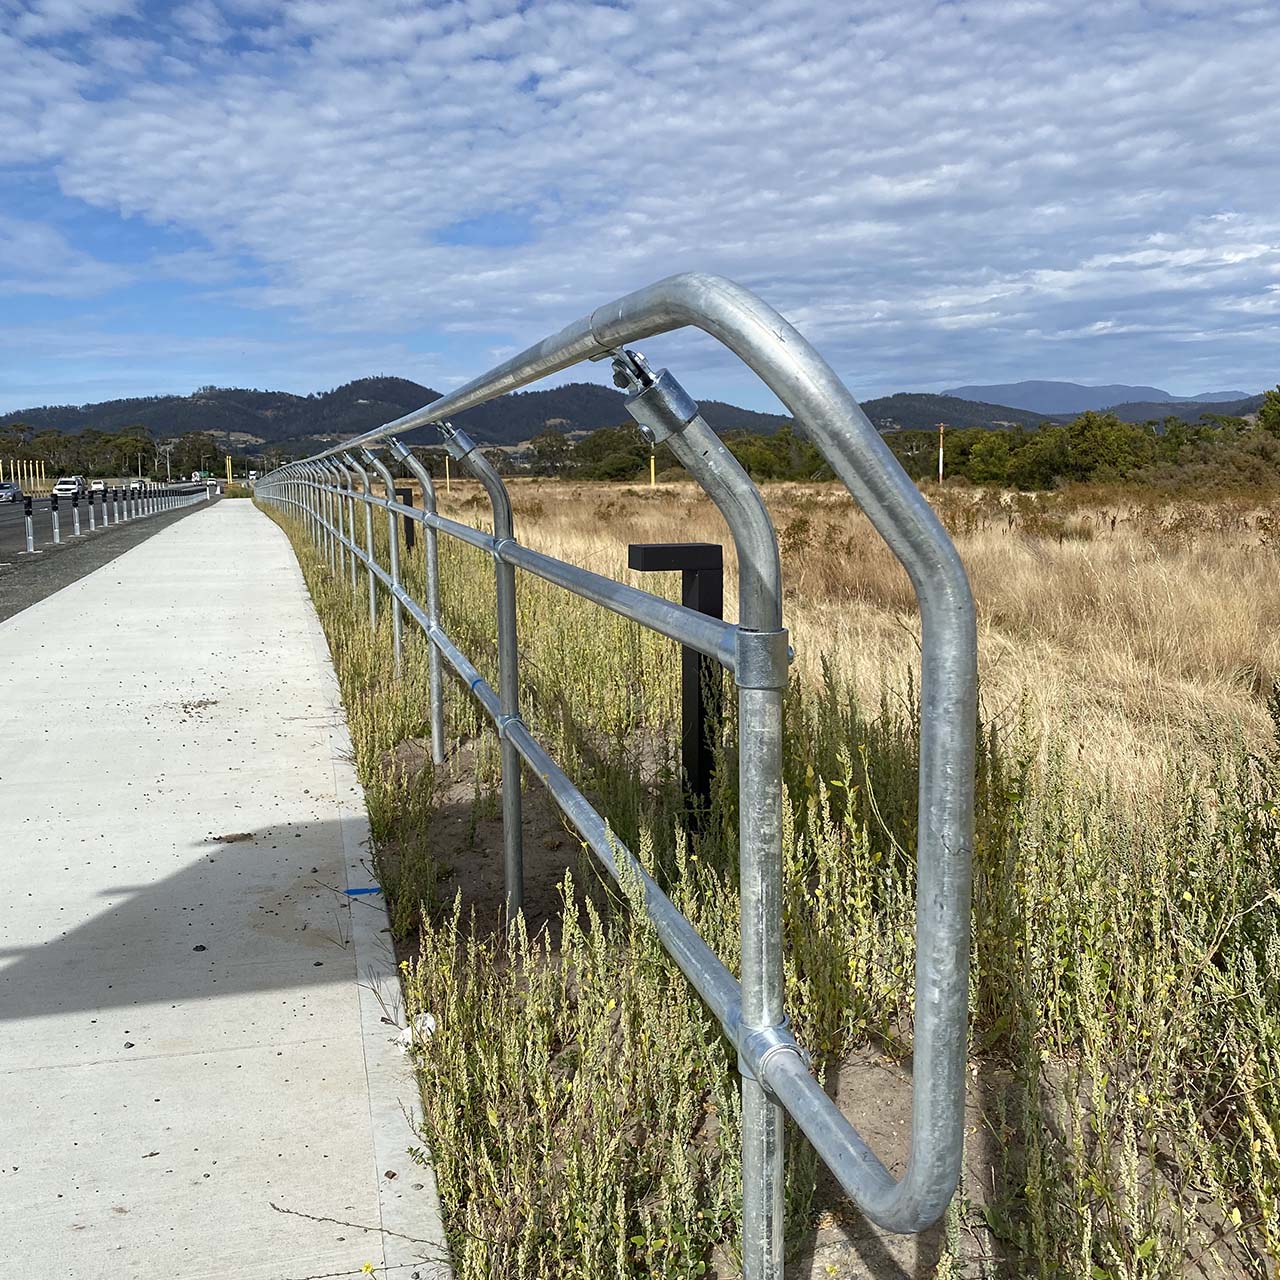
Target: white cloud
{"x":35,"y":258}
{"x":930,"y":191}
{"x":48,"y":18}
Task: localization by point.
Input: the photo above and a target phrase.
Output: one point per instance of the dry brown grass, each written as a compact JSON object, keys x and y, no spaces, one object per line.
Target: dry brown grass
{"x":1135,"y":629}
{"x":1125,"y":957}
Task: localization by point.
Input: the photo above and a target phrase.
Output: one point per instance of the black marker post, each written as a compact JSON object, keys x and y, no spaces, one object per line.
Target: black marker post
{"x":701,"y":569}
{"x":405,"y":498}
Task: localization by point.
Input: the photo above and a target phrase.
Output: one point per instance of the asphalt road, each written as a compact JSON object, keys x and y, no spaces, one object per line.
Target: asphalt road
{"x":12,"y":535}
{"x":24,"y":578}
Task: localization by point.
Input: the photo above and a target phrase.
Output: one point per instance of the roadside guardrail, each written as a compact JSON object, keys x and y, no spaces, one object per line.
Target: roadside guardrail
{"x":116,"y":504}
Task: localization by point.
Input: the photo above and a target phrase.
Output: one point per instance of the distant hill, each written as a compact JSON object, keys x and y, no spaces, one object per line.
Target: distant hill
{"x":277,"y":417}
{"x":1187,"y":410}
{"x":244,"y":416}
{"x":271,"y":416}
{"x":1072,"y":397}
{"x":1215,"y":397}
{"x":920,"y":411}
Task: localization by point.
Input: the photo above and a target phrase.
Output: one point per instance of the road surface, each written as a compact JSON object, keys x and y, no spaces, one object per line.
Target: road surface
{"x":24,"y":578}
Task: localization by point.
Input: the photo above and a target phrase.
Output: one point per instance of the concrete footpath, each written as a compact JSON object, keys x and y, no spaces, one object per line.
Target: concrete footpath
{"x":198,"y":1080}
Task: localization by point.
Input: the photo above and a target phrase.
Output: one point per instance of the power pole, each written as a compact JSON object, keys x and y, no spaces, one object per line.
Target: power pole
{"x":942,"y":432}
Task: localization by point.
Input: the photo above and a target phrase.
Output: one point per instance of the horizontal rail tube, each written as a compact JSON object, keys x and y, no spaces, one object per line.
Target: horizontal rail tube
{"x":712,"y":980}
{"x":699,"y":631}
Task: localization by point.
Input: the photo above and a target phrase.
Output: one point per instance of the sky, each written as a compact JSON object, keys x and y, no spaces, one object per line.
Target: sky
{"x":294,"y":193}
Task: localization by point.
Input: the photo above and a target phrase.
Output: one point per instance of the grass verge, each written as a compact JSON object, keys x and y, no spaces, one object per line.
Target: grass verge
{"x":579,"y":1105}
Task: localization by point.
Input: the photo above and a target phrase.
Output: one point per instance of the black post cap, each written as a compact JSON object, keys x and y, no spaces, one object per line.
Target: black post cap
{"x":669,"y":557}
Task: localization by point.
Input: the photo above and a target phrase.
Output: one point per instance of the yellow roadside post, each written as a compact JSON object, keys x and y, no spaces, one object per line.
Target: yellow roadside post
{"x":653,"y":469}
{"x":228,"y":470}
{"x":448,"y":488}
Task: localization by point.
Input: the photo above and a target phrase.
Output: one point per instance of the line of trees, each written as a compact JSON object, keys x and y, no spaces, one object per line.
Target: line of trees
{"x":1098,"y":448}
{"x":1216,"y":452}
{"x":100,"y":453}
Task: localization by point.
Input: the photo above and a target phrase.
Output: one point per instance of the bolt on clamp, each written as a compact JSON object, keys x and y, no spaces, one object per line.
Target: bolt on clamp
{"x":658,"y":403}
{"x":458,"y":443}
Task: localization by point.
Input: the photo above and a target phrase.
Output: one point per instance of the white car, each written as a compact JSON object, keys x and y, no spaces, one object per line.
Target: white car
{"x":70,"y":487}
{"x":98,"y":486}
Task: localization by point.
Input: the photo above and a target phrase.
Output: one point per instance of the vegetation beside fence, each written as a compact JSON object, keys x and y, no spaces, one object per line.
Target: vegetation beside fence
{"x":1218,"y":454}
{"x":579,"y":1104}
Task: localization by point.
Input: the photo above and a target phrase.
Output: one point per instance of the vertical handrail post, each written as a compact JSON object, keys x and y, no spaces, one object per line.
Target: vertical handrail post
{"x":320,"y":496}
{"x":367,"y":498}
{"x":307,"y":494}
{"x":666,"y":414}
{"x":464,"y":449}
{"x":339,"y":510}
{"x":337,"y":560}
{"x":431,"y":554}
{"x":302,"y":489}
{"x":393,"y":549}
{"x":347,"y":503}
{"x":324,"y":510}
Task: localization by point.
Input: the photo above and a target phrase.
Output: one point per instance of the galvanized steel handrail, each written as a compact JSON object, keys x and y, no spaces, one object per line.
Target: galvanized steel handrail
{"x":775,"y":1073}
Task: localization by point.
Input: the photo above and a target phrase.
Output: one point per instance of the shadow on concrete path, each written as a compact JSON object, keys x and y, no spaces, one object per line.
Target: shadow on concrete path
{"x":259,"y":911}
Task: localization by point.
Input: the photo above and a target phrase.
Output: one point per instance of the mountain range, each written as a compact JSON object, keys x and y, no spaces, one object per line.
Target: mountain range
{"x":247,"y":417}
{"x":277,"y":417}
{"x":1051,"y":398}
